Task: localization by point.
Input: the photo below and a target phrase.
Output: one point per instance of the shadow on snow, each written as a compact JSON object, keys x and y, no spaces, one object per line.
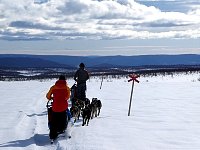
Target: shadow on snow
{"x":38,"y":139}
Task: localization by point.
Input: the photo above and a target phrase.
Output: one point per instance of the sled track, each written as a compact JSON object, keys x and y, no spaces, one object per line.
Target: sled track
{"x":41,"y":131}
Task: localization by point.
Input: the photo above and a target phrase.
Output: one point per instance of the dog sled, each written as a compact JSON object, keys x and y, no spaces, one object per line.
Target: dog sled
{"x":49,"y":116}
{"x":49,"y":113}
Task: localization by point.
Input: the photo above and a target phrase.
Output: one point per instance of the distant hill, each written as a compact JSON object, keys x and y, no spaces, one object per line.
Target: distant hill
{"x":15,"y":60}
{"x":26,"y":62}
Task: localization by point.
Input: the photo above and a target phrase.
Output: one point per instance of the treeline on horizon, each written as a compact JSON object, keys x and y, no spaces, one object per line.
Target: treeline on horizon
{"x":25,"y":74}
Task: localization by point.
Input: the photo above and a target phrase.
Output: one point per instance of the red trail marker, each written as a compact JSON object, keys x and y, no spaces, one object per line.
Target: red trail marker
{"x":134,"y":79}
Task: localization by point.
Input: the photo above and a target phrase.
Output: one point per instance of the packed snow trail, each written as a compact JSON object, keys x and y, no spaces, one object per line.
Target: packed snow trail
{"x":165,"y":115}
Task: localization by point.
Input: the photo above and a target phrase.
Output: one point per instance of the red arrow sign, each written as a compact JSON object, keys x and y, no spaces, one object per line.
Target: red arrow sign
{"x":134,"y":78}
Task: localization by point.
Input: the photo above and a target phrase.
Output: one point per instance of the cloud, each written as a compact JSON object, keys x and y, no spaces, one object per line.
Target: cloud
{"x":98,"y":19}
{"x":33,"y":25}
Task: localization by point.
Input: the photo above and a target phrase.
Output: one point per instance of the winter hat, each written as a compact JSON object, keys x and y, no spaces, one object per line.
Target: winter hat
{"x":82,"y":65}
{"x":62,"y":77}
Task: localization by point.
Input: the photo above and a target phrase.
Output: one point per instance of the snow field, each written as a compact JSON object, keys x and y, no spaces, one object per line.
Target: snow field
{"x":165,"y":115}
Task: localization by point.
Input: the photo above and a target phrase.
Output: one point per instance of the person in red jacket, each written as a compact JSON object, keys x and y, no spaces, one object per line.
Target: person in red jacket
{"x":60,"y":93}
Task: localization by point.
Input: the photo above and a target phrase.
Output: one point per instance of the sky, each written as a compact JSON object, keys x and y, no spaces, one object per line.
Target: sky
{"x":100,"y":27}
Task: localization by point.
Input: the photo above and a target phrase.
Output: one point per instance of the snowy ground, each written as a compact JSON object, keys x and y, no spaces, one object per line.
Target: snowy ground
{"x":165,"y":115}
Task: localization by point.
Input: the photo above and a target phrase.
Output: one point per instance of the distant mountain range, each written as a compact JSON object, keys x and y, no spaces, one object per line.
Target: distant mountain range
{"x":54,"y":61}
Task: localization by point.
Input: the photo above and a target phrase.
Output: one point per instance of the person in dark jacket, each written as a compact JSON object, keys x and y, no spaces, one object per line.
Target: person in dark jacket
{"x":60,"y":93}
{"x":81,"y":76}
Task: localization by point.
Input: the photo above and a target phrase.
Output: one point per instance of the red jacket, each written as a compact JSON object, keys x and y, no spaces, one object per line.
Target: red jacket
{"x":60,"y":93}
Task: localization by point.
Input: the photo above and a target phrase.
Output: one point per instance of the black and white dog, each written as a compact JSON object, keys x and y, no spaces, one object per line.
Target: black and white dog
{"x":91,"y":110}
{"x":75,"y":112}
{"x":95,"y":107}
{"x":86,"y":114}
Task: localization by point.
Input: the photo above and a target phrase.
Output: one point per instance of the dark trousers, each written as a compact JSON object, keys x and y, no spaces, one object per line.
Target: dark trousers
{"x":58,"y":123}
{"x":81,"y":89}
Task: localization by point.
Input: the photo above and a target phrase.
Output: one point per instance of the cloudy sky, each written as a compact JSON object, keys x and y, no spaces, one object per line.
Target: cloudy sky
{"x":100,"y":27}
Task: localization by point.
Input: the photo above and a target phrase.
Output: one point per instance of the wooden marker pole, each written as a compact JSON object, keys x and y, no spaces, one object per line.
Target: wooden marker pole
{"x":130,"y":99}
{"x":101,"y":82}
